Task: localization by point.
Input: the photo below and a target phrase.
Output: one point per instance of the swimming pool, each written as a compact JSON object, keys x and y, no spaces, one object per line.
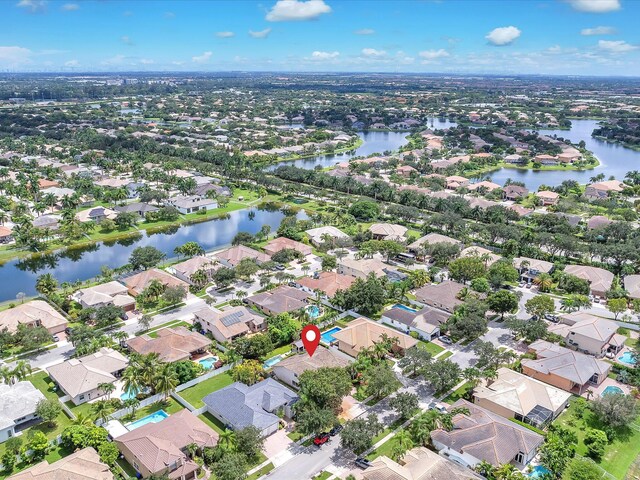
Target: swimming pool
{"x":155,"y":417}
{"x":628,"y":358}
{"x":404,"y":307}
{"x":538,"y":471}
{"x":313,"y":311}
{"x":272,"y":361}
{"x":327,"y":337}
{"x":610,"y":390}
{"x":128,"y":394}
{"x":208,"y":363}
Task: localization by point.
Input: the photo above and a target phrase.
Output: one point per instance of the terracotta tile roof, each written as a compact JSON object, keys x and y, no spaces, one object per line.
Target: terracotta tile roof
{"x":172,"y":344}
{"x":84,"y":464}
{"x":363,"y":333}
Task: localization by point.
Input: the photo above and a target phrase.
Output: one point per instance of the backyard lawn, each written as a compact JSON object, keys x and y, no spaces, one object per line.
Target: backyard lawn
{"x":432,"y":348}
{"x":195,"y":394}
{"x":212,"y":421}
{"x":458,"y":393}
{"x":619,"y":454}
{"x":278,"y":351}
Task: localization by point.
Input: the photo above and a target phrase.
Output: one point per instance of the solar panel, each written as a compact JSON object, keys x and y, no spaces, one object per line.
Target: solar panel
{"x":232,"y":319}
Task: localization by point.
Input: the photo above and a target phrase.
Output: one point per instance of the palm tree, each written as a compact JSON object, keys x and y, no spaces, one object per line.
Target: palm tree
{"x":82,"y":419}
{"x":131,"y":381}
{"x":107,"y":388}
{"x":120,"y":336}
{"x":46,"y":284}
{"x":402,"y":443}
{"x":544,"y":281}
{"x":166,"y":381}
{"x":102,"y":409}
{"x":22,"y":370}
{"x":131,"y":403}
{"x":240,"y":294}
{"x":227,"y":440}
{"x":192,"y":449}
{"x":6,"y":374}
{"x":485,"y":469}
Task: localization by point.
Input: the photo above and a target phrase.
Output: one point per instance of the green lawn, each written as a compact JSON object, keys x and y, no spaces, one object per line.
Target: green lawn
{"x":128,"y":469}
{"x":432,"y":348}
{"x":458,"y":393}
{"x":295,"y":435}
{"x":382,"y":450}
{"x":323,"y":475}
{"x":41,"y":381}
{"x":212,"y":421}
{"x":446,"y":354}
{"x":619,"y":454}
{"x":263,"y":471}
{"x":278,"y":351}
{"x":195,"y":394}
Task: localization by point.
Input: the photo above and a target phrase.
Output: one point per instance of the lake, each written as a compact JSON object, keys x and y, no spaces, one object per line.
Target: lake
{"x":85,"y":263}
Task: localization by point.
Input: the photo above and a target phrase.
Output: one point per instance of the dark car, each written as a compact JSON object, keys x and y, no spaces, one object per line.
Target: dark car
{"x":279,"y":267}
{"x":336,"y":430}
{"x":362,"y":463}
{"x":446,"y":340}
{"x":321,"y":439}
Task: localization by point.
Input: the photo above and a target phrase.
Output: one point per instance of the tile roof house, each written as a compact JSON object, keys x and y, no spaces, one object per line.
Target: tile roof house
{"x":18,"y":404}
{"x":419,"y":463}
{"x":561,"y":367}
{"x":6,"y":235}
{"x":110,"y":293}
{"x":388,"y":231}
{"x":138,"y":282}
{"x":425,"y":322}
{"x":514,"y":192}
{"x":280,"y":300}
{"x":547,"y":197}
{"x":282,"y":243}
{"x":484,"y":436}
{"x":186,"y":204}
{"x":172,"y":344}
{"x":289,"y":369}
{"x":599,"y":279}
{"x":159,"y":448}
{"x":139,"y":208}
{"x":317,"y":235}
{"x":239,"y":405}
{"x":441,"y":295}
{"x":84,"y":464}
{"x":33,"y":314}
{"x":530,"y":268}
{"x":364,"y":333}
{"x":80,"y":378}
{"x":432,"y":239}
{"x":184,"y":270}
{"x":632,"y":285}
{"x":475,"y":251}
{"x":601,"y":190}
{"x":598,"y":221}
{"x":589,"y":334}
{"x":327,"y":282}
{"x":229,"y":324}
{"x":361,"y":268}
{"x":234,"y":255}
{"x":514,"y":395}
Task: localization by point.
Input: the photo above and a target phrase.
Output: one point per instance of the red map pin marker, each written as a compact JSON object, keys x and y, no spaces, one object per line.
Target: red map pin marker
{"x":310,"y":338}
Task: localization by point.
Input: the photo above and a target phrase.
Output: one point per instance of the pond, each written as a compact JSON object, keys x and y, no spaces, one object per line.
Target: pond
{"x":85,"y":263}
{"x":614,"y":159}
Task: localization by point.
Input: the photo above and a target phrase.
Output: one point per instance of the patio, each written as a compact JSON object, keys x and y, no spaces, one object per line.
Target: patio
{"x":596,"y":392}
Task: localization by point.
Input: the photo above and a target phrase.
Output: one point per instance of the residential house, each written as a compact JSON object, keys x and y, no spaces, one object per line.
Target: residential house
{"x":441,"y":295}
{"x":516,"y":159}
{"x":547,"y":197}
{"x":80,"y":378}
{"x":134,"y":188}
{"x":36,"y":313}
{"x":138,"y":282}
{"x":18,"y":404}
{"x":186,"y":204}
{"x":6,"y":235}
{"x":530,"y":268}
{"x":632,"y":285}
{"x":406,"y":171}
{"x":231,"y":257}
{"x":110,"y":293}
{"x":545,"y":159}
{"x":364,"y":333}
{"x":425,"y":322}
{"x":280,"y":300}
{"x":361,"y":268}
{"x":589,"y":334}
{"x":456,"y":181}
{"x":184,"y":270}
{"x":282,"y":243}
{"x":238,"y":405}
{"x":229,"y":324}
{"x":601,"y":190}
{"x":599,"y":279}
{"x":561,"y":367}
{"x":484,"y":436}
{"x":84,"y":464}
{"x":598,"y":221}
{"x":419,"y":463}
{"x":49,"y":222}
{"x":96,"y":214}
{"x":514,"y":192}
{"x":327,"y":282}
{"x":289,"y":369}
{"x":482,"y":253}
{"x":484,"y":185}
{"x":139,"y":208}
{"x":328,"y":233}
{"x":388,"y":231}
{"x":171,"y":344}
{"x":572,"y":220}
{"x":432,"y":239}
{"x":514,"y":395}
{"x":162,"y":448}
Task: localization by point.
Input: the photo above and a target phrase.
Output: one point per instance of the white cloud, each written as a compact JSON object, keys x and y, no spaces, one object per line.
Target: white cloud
{"x":72,"y":63}
{"x":616,"y":46}
{"x":434,"y":54}
{"x":33,"y":6}
{"x":225,"y":34}
{"x":260,"y":33}
{"x":372,"y":52}
{"x":319,"y":55}
{"x":297,"y":10}
{"x":146,"y":61}
{"x":365,"y":31}
{"x":503,"y":35}
{"x":204,"y":58}
{"x":126,"y":39}
{"x":169,"y":15}
{"x":598,"y":31}
{"x":14,"y":55}
{"x":595,"y":6}
{"x":70,"y":7}
{"x":115,"y":60}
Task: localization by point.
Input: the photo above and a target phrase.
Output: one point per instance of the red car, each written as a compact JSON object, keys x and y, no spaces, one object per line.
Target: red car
{"x":321,"y":439}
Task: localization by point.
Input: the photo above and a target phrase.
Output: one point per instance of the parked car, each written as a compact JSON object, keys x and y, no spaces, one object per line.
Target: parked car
{"x":528,"y":285}
{"x":321,"y":439}
{"x":336,"y":430}
{"x":55,"y":338}
{"x":551,"y":318}
{"x":446,"y":340}
{"x":362,"y":463}
{"x":437,"y":406}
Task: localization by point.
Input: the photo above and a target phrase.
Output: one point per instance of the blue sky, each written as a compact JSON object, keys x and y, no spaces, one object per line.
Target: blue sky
{"x":581,"y":37}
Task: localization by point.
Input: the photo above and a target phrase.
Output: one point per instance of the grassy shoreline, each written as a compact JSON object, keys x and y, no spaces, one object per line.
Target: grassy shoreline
{"x":293,"y":158}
